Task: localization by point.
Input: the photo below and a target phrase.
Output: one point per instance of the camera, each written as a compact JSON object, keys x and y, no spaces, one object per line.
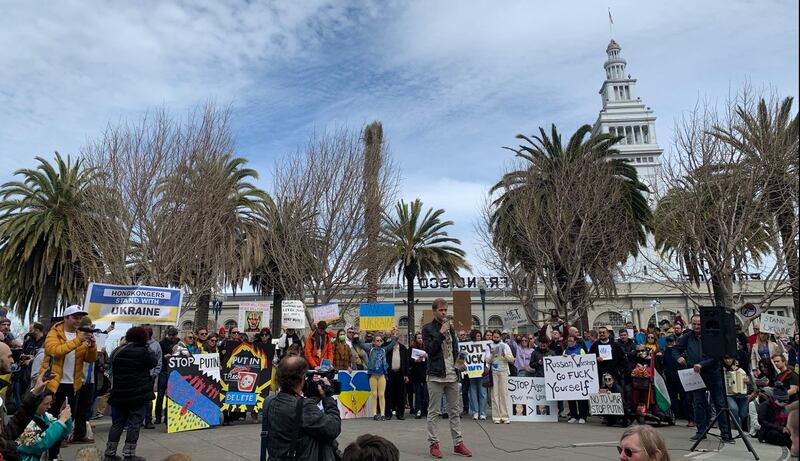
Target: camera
{"x":90,"y":330}
{"x":314,"y":378}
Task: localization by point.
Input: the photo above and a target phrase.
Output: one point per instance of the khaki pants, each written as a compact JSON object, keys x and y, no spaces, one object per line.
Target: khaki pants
{"x":499,"y":395}
{"x":452,"y":393}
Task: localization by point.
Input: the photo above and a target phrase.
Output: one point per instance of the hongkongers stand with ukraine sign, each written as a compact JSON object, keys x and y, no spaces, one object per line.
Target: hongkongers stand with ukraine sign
{"x":133,"y":304}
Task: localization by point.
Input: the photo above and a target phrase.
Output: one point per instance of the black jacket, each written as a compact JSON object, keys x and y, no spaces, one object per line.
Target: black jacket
{"x":318,"y":429}
{"x":617,"y":366}
{"x":433,"y":339}
{"x":404,"y":360}
{"x":418,"y":371}
{"x":690,"y":347}
{"x":131,"y":384}
{"x":629,"y":348}
{"x":537,"y":361}
{"x":11,"y":430}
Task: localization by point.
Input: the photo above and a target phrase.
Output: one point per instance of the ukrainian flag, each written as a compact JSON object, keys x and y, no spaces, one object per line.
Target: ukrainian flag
{"x":376,"y":317}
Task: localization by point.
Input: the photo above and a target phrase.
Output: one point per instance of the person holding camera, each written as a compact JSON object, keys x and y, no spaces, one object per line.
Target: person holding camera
{"x":66,"y":349}
{"x":296,"y":428}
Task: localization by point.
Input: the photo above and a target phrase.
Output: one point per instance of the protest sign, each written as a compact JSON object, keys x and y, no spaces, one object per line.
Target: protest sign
{"x":474,"y":353}
{"x":777,"y":325}
{"x":326,"y":312}
{"x":246,"y":375}
{"x":571,"y":377}
{"x":749,"y":311}
{"x":254,"y":316}
{"x":194,"y":397}
{"x":513,"y":318}
{"x":100,"y":340}
{"x":418,"y":353}
{"x":631,"y":334}
{"x":527,"y":402}
{"x":604,"y":351}
{"x":293,"y":314}
{"x":354,"y":400}
{"x":690,"y":380}
{"x":606,"y":404}
{"x":376,"y":317}
{"x":133,"y":304}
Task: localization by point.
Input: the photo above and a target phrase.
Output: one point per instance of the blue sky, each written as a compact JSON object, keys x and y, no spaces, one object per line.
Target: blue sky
{"x":452,"y":82}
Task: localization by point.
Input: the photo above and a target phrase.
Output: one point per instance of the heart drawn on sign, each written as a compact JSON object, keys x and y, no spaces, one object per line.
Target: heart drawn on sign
{"x":355,"y":390}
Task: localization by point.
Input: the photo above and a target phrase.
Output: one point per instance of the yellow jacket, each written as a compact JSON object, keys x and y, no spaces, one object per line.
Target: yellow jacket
{"x":57,"y":347}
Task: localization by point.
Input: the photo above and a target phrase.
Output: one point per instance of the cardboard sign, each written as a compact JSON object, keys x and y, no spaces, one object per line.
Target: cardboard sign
{"x":777,"y":325}
{"x":690,"y":380}
{"x":570,"y":377}
{"x":253,"y":316}
{"x":293,"y":314}
{"x":354,"y":400}
{"x":462,"y":310}
{"x":604,"y":351}
{"x":474,"y":354}
{"x":246,"y":375}
{"x":513,"y":318}
{"x":133,"y":304}
{"x":326,"y":312}
{"x":606,"y":404}
{"x":194,"y":393}
{"x":527,"y":402}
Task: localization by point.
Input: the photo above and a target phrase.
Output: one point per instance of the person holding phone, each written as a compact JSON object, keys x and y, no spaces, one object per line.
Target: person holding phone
{"x":66,"y":349}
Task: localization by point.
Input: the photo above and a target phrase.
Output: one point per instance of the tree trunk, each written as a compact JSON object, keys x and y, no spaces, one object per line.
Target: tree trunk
{"x":277,"y":301}
{"x":49,"y":300}
{"x":201,"y":310}
{"x":373,"y":142}
{"x":410,"y":304}
{"x":785,"y":219}
{"x":722,"y":285}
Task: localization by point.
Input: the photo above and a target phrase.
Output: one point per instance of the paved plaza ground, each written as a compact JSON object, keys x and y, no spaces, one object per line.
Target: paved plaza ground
{"x":540,"y":441}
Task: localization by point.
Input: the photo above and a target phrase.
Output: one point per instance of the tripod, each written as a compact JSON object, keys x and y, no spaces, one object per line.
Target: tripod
{"x":726,"y":411}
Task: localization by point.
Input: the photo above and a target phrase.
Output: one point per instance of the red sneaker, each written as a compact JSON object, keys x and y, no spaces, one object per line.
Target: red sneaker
{"x":435,"y":451}
{"x":460,"y":449}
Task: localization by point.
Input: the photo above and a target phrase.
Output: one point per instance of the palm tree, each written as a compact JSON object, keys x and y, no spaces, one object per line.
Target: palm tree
{"x":527,"y":225}
{"x":212,"y":195}
{"x":417,"y":245}
{"x":768,"y":140}
{"x":373,"y":144}
{"x":39,"y":228}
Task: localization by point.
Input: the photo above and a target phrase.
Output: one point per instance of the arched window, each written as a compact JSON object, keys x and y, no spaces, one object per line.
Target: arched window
{"x":662,"y":315}
{"x":495,"y":322}
{"x":403,"y":322}
{"x":230,"y":324}
{"x":187,"y":326}
{"x":476,"y":322}
{"x":610,"y":318}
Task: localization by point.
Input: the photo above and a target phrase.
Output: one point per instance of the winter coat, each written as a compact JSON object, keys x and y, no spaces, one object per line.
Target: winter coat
{"x":131,"y":384}
{"x":774,"y":348}
{"x":312,"y":347}
{"x":47,"y":431}
{"x":537,"y":361}
{"x":404,"y":360}
{"x":318,"y":429}
{"x":433,"y":339}
{"x":56,"y":347}
{"x":617,"y":366}
{"x":690,"y":347}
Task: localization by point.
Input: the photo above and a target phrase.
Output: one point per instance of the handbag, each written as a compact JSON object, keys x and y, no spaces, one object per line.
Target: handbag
{"x":486,"y":378}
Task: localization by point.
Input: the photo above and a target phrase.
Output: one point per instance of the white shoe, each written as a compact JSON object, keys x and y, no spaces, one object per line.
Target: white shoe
{"x":497,"y":421}
{"x":483,"y":418}
{"x":505,"y":421}
{"x":581,"y":421}
{"x":475,"y":416}
{"x":572,"y":420}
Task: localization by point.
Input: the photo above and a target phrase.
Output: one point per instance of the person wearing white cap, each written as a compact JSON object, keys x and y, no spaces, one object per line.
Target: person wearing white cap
{"x":66,"y":349}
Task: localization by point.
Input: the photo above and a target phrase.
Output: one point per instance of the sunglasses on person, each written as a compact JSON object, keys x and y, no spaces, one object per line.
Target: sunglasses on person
{"x":190,"y":337}
{"x":629,"y":452}
{"x":608,"y":380}
{"x":212,"y":340}
{"x":202,"y":334}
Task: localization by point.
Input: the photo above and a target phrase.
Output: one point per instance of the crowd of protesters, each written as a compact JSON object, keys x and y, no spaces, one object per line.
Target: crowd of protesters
{"x":63,"y":379}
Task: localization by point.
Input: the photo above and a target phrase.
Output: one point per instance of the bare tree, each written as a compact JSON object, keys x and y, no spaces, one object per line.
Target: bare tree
{"x":317,"y":241}
{"x":176,"y":206}
{"x":712,"y":223}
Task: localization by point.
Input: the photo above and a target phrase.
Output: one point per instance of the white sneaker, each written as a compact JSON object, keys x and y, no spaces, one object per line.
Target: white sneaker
{"x":581,"y":421}
{"x":505,"y":421}
{"x":483,"y":418}
{"x":572,"y":420}
{"x":475,"y":416}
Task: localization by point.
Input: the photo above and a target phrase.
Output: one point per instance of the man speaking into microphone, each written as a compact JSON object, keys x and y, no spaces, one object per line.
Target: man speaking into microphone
{"x":441,"y":345}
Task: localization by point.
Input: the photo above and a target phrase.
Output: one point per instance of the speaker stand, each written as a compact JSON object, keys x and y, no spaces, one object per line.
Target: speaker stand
{"x":732,"y":420}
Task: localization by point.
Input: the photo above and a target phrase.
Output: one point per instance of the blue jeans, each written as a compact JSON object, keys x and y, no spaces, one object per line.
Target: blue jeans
{"x":738,"y":405}
{"x":477,"y":397}
{"x":701,"y":408}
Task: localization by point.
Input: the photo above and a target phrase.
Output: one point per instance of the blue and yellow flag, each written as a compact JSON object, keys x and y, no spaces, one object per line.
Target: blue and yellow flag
{"x":376,"y":317}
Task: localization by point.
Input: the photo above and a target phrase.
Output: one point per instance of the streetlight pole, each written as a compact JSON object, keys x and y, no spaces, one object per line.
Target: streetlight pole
{"x":482,"y":290}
